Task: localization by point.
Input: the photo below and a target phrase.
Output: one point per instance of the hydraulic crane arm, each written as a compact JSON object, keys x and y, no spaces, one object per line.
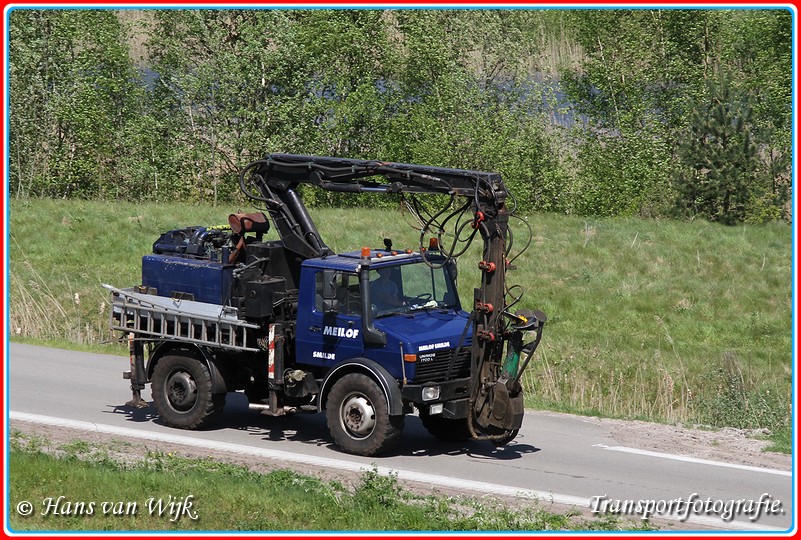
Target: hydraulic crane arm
{"x":274,"y":181}
{"x":496,"y":395}
{"x":353,"y":175}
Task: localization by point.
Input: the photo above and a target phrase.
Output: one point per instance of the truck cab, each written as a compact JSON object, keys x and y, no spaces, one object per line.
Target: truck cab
{"x":418,"y":335}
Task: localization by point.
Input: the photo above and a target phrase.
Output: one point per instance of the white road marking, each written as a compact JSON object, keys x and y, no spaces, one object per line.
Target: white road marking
{"x":677,"y":457}
{"x":339,"y":464}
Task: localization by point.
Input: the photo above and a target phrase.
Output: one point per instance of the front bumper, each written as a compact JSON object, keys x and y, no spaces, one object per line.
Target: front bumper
{"x":454,"y":395}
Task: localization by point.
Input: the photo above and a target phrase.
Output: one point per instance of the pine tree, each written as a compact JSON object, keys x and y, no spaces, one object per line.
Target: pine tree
{"x":717,"y":156}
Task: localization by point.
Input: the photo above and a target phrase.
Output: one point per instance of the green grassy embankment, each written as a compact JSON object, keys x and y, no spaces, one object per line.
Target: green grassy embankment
{"x":659,"y":320}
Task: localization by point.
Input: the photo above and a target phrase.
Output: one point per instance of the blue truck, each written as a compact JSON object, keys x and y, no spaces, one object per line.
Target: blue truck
{"x":366,"y":336}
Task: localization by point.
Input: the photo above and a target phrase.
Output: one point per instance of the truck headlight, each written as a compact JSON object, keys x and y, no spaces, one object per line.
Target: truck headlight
{"x":437,"y":408}
{"x":430,"y":392}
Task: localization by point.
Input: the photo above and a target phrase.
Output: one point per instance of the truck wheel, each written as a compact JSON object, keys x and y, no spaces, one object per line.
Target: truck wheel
{"x":445,"y":429}
{"x":358,"y":416}
{"x":181,"y":387}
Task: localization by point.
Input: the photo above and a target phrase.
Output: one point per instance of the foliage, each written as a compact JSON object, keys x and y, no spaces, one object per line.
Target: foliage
{"x":358,"y":83}
{"x":736,"y":401}
{"x":620,"y":176}
{"x":227,"y":84}
{"x":644,"y":79}
{"x":582,"y":111}
{"x":727,"y":170}
{"x":76,"y":106}
{"x":639,"y":66}
{"x":718,"y":155}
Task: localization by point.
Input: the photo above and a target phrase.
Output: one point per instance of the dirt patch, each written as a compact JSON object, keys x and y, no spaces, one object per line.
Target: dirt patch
{"x":728,"y":445}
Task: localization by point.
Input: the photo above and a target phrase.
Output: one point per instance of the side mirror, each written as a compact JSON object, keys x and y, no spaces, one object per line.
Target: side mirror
{"x":329,"y":291}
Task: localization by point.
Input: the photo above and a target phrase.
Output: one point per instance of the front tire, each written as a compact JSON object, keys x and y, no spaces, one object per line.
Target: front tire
{"x":182,"y":392}
{"x":358,"y":416}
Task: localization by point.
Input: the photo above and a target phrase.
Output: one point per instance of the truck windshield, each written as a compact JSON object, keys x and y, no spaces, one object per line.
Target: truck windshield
{"x":410,"y":287}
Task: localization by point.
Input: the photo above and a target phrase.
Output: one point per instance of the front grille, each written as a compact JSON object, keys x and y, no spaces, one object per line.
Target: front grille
{"x":433,"y":367}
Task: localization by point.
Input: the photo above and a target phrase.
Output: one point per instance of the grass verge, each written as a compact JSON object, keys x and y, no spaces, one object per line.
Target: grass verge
{"x":83,"y":488}
{"x":658,"y":320}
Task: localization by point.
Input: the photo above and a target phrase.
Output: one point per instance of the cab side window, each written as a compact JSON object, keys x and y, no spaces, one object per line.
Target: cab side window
{"x":348,"y":296}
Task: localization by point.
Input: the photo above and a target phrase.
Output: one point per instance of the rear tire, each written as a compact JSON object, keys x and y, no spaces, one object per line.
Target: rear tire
{"x":445,"y":429}
{"x":358,"y":416}
{"x":181,"y":387}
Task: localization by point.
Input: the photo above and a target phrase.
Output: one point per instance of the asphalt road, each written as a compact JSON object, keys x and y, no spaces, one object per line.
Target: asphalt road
{"x":564,"y":459}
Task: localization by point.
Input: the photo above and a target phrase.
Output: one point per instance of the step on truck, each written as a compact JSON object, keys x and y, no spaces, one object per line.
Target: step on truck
{"x":365,"y":336}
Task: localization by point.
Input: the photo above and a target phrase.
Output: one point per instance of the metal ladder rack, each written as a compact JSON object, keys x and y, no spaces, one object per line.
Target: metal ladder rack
{"x":160,"y":317}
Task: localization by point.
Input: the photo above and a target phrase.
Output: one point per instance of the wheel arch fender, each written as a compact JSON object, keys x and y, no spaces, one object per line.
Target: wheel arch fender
{"x":166,"y":348}
{"x":374,"y":370}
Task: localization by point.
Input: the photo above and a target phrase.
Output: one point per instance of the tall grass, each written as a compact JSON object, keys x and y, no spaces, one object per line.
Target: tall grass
{"x":676,"y":321}
{"x":62,"y":251}
{"x":660,"y":320}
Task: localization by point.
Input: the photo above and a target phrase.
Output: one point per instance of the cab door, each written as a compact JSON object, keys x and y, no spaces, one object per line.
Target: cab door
{"x":329,"y":331}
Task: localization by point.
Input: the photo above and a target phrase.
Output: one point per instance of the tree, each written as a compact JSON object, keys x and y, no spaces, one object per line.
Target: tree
{"x":459,"y":88}
{"x":717,"y":158}
{"x":75,"y":102}
{"x":644,"y":69}
{"x":438,"y":87}
{"x":229,"y":86}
